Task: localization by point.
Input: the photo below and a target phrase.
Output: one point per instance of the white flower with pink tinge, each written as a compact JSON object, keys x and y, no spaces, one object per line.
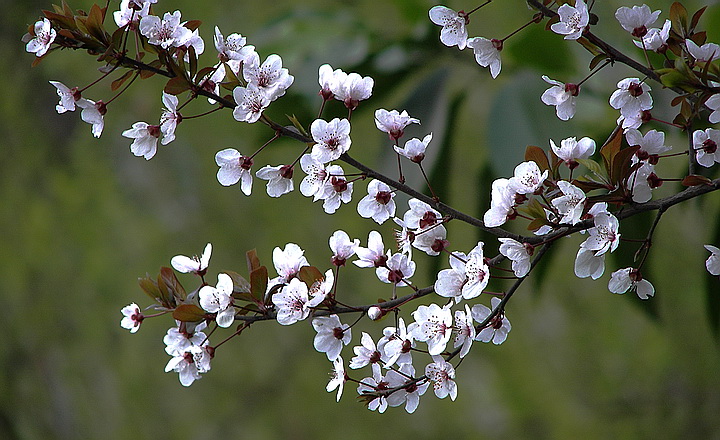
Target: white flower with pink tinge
{"x":194,"y":264}
{"x":442,"y":376}
{"x":453,"y":31}
{"x":630,"y":279}
{"x":573,"y":20}
{"x":398,"y":270}
{"x":43,"y":39}
{"x":293,"y":303}
{"x":331,"y":335}
{"x":332,"y":139}
{"x":393,"y":123}
{"x":433,"y":325}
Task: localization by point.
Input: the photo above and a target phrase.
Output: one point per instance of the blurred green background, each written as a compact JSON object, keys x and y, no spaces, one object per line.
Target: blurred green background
{"x":83,"y":219}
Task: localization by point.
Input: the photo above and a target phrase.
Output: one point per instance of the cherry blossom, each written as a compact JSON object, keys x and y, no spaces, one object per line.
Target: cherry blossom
{"x":562,"y":96}
{"x":293,"y":303}
{"x":353,"y":88}
{"x":442,"y":376}
{"x":487,"y":53}
{"x":366,"y":353}
{"x":190,"y":364}
{"x":404,"y":237}
{"x":43,"y":38}
{"x":420,"y":215}
{"x":131,"y":13}
{"x":571,"y":204}
{"x":337,"y":377}
{"x":642,"y":181}
{"x":251,"y":102}
{"x":453,"y":31}
{"x":67,"y":97}
{"x":313,"y":183}
{"x":413,"y":389}
{"x":330,"y":81}
{"x":573,"y":20}
{"x":336,"y":189}
{"x":331,"y":336}
{"x":498,"y":327}
{"x":378,"y":204}
{"x":279,"y":179}
{"x":502,"y":203}
{"x":181,"y":338}
{"x":342,"y":247}
{"x":651,"y":144}
{"x":288,"y":262}
{"x":518,"y":253}
{"x":92,"y":113}
{"x":370,"y":385}
{"x":166,"y":32}
{"x":393,"y":123}
{"x":630,"y":279}
{"x":234,"y":168}
{"x":374,"y":254}
{"x":332,"y":139}
{"x":145,"y":138}
{"x":636,"y":20}
{"x":631,"y":98}
{"x":713,"y":262}
{"x":706,"y":53}
{"x":705,"y":143}
{"x":232,"y":48}
{"x":604,"y":236}
{"x":464,"y":330}
{"x":571,"y":150}
{"x":397,"y":270}
{"x":713,"y":103}
{"x":414,"y":149}
{"x":170,"y":118}
{"x":527,"y":178}
{"x":132,"y":318}
{"x":430,"y":240}
{"x":219,"y":300}
{"x":269,"y":77}
{"x":396,"y":345}
{"x":194,"y":264}
{"x":587,"y":264}
{"x":655,"y":39}
{"x":433,"y":325}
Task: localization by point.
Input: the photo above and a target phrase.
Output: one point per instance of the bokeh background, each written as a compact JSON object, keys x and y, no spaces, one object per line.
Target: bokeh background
{"x":82,"y":219}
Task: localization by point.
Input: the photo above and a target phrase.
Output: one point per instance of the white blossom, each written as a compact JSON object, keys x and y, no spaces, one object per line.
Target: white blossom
{"x":573,"y":20}
{"x":630,"y":279}
{"x":219,"y":300}
{"x":378,"y":204}
{"x":251,"y":102}
{"x":453,"y":31}
{"x":499,"y":326}
{"x":353,"y":88}
{"x":92,"y":113}
{"x":374,"y":254}
{"x":655,"y":38}
{"x":631,"y":98}
{"x":269,"y":77}
{"x":331,"y":336}
{"x":67,"y":97}
{"x":332,"y":139}
{"x":43,"y":39}
{"x":414,"y":149}
{"x":194,"y":264}
{"x":398,"y":270}
{"x":293,"y":303}
{"x":464,"y":330}
{"x":571,"y":204}
{"x":713,"y":262}
{"x":393,"y":123}
{"x":705,"y":143}
{"x":562,"y":96}
{"x":518,"y":253}
{"x":502,"y":203}
{"x":145,"y":138}
{"x":336,"y":189}
{"x":234,"y":168}
{"x":527,"y":178}
{"x":279,"y":179}
{"x":636,"y":20}
{"x":433,"y":325}
{"x":487,"y":53}
{"x":313,"y":183}
{"x":706,"y":53}
{"x":166,"y":32}
{"x":342,"y":247}
{"x":337,"y":378}
{"x":570,"y":150}
{"x":132,"y":318}
{"x":442,"y":376}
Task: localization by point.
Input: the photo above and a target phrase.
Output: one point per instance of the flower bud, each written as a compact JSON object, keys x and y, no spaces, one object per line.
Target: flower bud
{"x":375,"y":313}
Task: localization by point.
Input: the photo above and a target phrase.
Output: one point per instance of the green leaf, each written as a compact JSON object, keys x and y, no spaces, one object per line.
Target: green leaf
{"x":593,"y":166}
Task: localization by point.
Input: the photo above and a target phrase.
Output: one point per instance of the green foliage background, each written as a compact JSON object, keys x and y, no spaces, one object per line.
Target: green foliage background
{"x":83,"y":218}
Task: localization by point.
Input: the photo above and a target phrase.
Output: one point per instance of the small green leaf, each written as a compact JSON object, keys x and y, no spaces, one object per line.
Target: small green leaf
{"x":593,"y":166}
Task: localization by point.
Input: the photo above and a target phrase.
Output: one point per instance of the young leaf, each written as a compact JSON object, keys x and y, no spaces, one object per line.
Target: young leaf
{"x":310,"y":274}
{"x":537,"y":155}
{"x":258,"y":283}
{"x":119,"y":82}
{"x":173,"y":285}
{"x":188,"y":313}
{"x":253,"y":262}
{"x":176,"y":86}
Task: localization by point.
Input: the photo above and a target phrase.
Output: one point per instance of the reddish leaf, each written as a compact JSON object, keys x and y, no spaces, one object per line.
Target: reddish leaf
{"x":537,"y":155}
{"x":176,"y":86}
{"x":253,"y":262}
{"x":610,"y":149}
{"x":310,"y":274}
{"x":621,"y":165}
{"x":258,"y":283}
{"x":193,"y":24}
{"x":695,"y":180}
{"x":119,"y":82}
{"x":173,"y":285}
{"x":188,"y":313}
{"x":679,"y":18}
{"x":537,"y":224}
{"x":696,"y":18}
